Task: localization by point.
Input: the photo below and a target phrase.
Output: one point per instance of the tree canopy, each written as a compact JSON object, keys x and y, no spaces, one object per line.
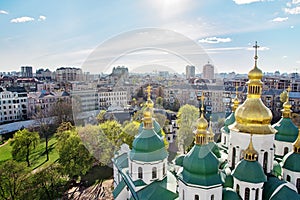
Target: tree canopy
{"x":23,"y":143}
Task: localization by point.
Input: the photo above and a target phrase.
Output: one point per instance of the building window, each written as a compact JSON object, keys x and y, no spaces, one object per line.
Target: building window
{"x":225,"y":140}
{"x":288,"y":178}
{"x":164,"y":169}
{"x":238,"y":189}
{"x":182,"y":194}
{"x":212,"y":197}
{"x":247,"y":193}
{"x":196,"y":197}
{"x":286,"y":150}
{"x":140,"y":173}
{"x":265,"y":162}
{"x":257,"y":194}
{"x":233,"y":157}
{"x":154,"y":173}
{"x":298,"y":185}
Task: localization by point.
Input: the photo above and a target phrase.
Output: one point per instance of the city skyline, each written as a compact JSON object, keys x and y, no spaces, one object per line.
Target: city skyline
{"x":54,"y":34}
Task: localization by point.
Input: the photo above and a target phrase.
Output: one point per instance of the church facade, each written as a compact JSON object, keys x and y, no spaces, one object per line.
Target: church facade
{"x":254,"y":160}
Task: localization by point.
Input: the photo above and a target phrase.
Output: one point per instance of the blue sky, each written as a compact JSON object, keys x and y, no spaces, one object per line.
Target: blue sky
{"x":51,"y":34}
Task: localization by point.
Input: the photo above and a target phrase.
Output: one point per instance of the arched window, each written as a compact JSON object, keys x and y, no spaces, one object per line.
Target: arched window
{"x":196,"y":197}
{"x":212,"y":197}
{"x":238,"y":189}
{"x":265,"y":162}
{"x":140,"y":173}
{"x":288,"y":178}
{"x":247,"y":193}
{"x":257,"y":194}
{"x":182,"y":194}
{"x":154,"y":173}
{"x":233,"y":157}
{"x":298,"y":185}
{"x":285,"y":150}
{"x":164,"y":169}
{"x":131,"y":169}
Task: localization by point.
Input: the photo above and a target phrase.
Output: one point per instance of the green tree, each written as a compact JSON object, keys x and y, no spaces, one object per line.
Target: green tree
{"x":22,"y":143}
{"x":129,"y":131}
{"x":97,"y":143}
{"x":113,"y":131}
{"x":186,"y":118}
{"x":101,"y":116}
{"x":159,"y":102}
{"x":47,"y":183}
{"x":12,"y":180}
{"x":73,"y":156}
{"x":43,"y":121}
{"x":62,"y":110}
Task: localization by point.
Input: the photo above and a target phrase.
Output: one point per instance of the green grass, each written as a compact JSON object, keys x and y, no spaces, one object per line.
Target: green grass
{"x":5,"y":153}
{"x":37,"y":156}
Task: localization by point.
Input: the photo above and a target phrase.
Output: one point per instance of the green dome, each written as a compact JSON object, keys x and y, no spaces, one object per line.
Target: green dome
{"x":228,"y":121}
{"x":200,"y":166}
{"x":179,"y":160}
{"x":148,"y":147}
{"x":277,"y":170}
{"x":249,"y":171}
{"x":286,"y":193}
{"x":291,"y":162}
{"x":270,"y":186}
{"x":287,"y":131}
{"x":215,"y":149}
{"x":230,"y":194}
{"x":156,"y":127}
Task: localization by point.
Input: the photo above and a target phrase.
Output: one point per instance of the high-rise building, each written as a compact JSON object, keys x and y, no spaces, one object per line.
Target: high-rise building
{"x":208,"y":71}
{"x":65,"y":74}
{"x":190,"y":71}
{"x":26,"y":71}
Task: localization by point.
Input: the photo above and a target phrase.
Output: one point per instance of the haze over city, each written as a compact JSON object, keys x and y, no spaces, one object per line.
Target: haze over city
{"x":53,"y":34}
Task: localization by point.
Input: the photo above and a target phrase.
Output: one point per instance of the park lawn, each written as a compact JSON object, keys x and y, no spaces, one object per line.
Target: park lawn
{"x":5,"y":152}
{"x":37,"y":156}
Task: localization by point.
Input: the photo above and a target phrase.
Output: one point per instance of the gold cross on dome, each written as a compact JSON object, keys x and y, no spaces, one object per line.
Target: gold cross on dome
{"x":256,"y":47}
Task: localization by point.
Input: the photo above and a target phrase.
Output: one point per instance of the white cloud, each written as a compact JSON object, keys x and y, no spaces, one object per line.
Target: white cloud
{"x":239,"y":2}
{"x":295,"y":1}
{"x":280,"y":19}
{"x":3,"y":12}
{"x":214,"y":40}
{"x":22,"y":20}
{"x":42,"y":18}
{"x":293,"y":11}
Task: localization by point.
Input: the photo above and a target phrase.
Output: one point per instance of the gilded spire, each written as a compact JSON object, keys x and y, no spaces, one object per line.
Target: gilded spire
{"x":149,"y":102}
{"x":255,"y":57}
{"x":297,"y":143}
{"x":202,"y":124}
{"x":250,"y":153}
{"x":235,"y":100}
{"x":286,"y":111}
{"x":147,"y":120}
{"x":211,"y":133}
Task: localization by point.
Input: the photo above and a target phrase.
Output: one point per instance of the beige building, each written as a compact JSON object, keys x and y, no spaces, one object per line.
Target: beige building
{"x":208,"y":71}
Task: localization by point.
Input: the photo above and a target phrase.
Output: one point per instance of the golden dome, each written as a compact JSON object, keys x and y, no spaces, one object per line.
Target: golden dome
{"x":250,"y":153}
{"x":253,"y":116}
{"x":255,"y":74}
{"x":202,"y":124}
{"x":297,"y":143}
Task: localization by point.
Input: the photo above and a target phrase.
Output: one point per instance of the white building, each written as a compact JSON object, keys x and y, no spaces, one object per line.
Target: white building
{"x":115,"y":98}
{"x":13,"y":106}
